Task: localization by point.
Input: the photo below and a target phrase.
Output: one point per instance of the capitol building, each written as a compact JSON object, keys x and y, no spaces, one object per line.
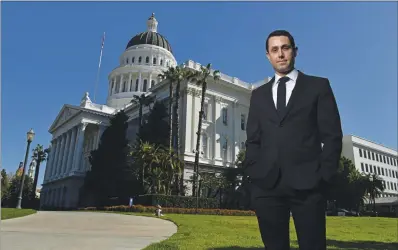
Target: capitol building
{"x":77,"y":129}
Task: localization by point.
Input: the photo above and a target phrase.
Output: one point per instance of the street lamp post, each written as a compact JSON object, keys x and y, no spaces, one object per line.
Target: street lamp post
{"x":29,"y":136}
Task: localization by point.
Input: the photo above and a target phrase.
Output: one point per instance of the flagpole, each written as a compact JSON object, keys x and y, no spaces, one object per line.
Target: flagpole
{"x":99,"y":66}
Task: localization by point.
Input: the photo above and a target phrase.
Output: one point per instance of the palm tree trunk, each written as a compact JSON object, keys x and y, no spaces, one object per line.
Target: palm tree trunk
{"x":171,"y":114}
{"x":198,"y":133}
{"x":140,"y":119}
{"x":177,"y":131}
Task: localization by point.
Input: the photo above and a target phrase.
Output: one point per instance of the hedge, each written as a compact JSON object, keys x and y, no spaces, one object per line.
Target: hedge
{"x":171,"y":210}
{"x":175,"y":201}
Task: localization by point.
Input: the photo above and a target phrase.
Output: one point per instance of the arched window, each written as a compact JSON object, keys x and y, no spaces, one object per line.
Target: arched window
{"x":147,"y":59}
{"x":145,"y":85}
{"x":168,"y":64}
{"x":139,"y":59}
{"x":132,"y":60}
{"x":161,"y":62}
{"x":127,"y":61}
{"x":124,"y":87}
{"x":152,"y":83}
{"x":136,"y":84}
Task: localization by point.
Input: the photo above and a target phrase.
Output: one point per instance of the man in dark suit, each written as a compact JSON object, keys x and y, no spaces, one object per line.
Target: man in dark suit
{"x":293,"y":147}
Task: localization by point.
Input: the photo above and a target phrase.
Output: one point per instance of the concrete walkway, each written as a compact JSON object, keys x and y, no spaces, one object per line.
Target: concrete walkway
{"x":82,"y":231}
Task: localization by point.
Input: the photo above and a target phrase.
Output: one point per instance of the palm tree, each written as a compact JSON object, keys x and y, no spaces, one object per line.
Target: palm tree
{"x":39,"y":155}
{"x":144,"y":156}
{"x":170,"y":76}
{"x":201,"y":78}
{"x":374,"y":187}
{"x":142,"y":100}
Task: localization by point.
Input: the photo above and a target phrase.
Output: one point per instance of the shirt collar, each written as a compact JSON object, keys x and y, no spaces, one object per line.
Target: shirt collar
{"x":292,"y":75}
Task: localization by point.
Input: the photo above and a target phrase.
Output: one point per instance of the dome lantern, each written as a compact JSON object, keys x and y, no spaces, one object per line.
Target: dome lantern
{"x":152,"y":24}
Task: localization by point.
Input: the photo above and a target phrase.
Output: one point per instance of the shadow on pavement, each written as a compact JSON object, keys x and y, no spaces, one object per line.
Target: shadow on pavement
{"x":333,"y":244}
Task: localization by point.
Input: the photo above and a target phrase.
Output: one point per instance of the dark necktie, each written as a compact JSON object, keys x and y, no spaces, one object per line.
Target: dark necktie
{"x":281,"y":96}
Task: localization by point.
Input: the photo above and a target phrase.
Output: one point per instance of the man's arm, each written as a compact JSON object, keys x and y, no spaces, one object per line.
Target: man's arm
{"x":329,"y":126}
{"x":253,"y":134}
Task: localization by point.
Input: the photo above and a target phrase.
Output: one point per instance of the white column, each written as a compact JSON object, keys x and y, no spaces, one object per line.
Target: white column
{"x":217,"y":115}
{"x":110,"y":87}
{"x":71,"y":150}
{"x":66,"y":153}
{"x":188,"y":125}
{"x":121,"y":83}
{"x":129,"y":84}
{"x":56,"y":160}
{"x":79,"y":147}
{"x":140,"y":82}
{"x":61,"y":155}
{"x":50,"y":160}
{"x":114,"y":85}
{"x":150,"y":81}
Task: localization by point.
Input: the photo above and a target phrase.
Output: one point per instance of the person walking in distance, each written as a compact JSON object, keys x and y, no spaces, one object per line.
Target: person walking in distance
{"x":293,"y":147}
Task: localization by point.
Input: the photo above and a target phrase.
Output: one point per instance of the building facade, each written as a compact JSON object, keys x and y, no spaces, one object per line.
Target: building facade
{"x":77,"y":128}
{"x":370,"y":157}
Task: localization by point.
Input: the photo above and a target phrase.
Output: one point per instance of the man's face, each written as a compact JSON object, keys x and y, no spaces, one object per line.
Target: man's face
{"x":281,"y":54}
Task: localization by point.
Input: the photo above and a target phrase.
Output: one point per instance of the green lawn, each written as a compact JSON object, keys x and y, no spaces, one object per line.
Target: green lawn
{"x":207,"y":232}
{"x":9,"y":213}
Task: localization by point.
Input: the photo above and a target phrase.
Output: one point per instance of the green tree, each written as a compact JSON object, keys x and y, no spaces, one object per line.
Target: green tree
{"x":374,"y":188}
{"x":111,"y":174}
{"x":39,"y":155}
{"x":13,"y":192}
{"x":5,"y":185}
{"x":201,"y":78}
{"x":143,"y":101}
{"x":156,"y":130}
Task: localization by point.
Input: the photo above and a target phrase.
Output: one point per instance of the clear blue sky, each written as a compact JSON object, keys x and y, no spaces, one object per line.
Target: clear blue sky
{"x":50,"y":54}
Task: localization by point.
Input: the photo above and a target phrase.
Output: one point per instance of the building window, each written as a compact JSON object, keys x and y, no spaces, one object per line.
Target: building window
{"x":377,"y":157}
{"x":154,"y":60}
{"x":144,"y":88}
{"x":225,"y":149}
{"x":147,"y":59}
{"x":360,"y":152}
{"x":127,"y":61}
{"x":366,"y":167}
{"x":161,"y":62}
{"x":378,"y":170}
{"x":370,"y":168}
{"x":362,"y":168}
{"x":132,"y":60}
{"x":242,"y":121}
{"x":124,"y":87}
{"x":364,"y":153}
{"x":152,"y":83}
{"x":131,"y":85}
{"x":139,"y":59}
{"x":225,"y":116}
{"x":136,"y":84}
{"x":369,"y":155}
{"x":373,"y":156}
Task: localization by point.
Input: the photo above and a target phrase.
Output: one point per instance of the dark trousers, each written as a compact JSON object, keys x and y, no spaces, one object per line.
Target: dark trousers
{"x":273,"y":207}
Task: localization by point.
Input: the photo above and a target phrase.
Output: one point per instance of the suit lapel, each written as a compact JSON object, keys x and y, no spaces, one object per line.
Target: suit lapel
{"x":296,"y":93}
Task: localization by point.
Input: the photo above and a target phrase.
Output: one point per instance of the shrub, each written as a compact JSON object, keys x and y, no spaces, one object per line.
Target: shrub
{"x":176,"y":201}
{"x":172,"y":210}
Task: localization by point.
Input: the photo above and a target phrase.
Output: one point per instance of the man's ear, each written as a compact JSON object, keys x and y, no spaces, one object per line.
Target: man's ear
{"x":267,"y":54}
{"x":295,"y":51}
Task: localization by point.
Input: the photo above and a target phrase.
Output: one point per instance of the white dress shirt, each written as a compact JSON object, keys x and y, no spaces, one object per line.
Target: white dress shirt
{"x":289,"y":85}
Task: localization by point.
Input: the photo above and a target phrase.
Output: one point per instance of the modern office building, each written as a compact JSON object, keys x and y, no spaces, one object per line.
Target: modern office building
{"x":371,"y":157}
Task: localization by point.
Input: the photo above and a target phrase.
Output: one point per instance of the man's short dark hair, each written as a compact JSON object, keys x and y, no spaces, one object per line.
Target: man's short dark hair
{"x":280,"y":33}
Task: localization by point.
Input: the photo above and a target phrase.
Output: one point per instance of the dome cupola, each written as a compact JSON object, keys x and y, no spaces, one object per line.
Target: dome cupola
{"x":151,"y":36}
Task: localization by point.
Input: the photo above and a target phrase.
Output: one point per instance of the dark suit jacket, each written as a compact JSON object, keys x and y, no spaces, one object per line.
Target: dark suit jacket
{"x":292,"y":142}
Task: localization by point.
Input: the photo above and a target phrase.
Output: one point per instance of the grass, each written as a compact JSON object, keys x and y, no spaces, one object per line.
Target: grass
{"x":10,"y":213}
{"x":207,"y":232}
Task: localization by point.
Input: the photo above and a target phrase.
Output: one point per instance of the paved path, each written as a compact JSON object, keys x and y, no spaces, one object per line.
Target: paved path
{"x":82,"y":231}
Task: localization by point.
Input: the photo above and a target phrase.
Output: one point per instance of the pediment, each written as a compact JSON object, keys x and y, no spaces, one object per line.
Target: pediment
{"x":64,"y":115}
